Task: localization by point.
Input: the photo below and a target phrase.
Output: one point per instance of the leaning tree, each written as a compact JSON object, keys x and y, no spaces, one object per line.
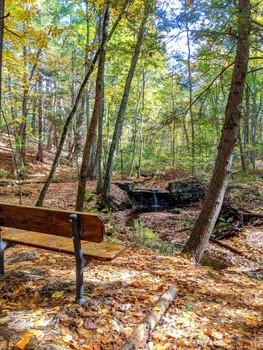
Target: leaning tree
{"x":199,"y":238}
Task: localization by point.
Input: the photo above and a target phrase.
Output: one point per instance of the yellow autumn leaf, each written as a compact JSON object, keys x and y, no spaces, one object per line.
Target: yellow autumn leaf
{"x":40,"y":322}
{"x":227,"y":340}
{"x":37,"y":333}
{"x":23,"y":341}
{"x":157,"y":308}
{"x":136,"y":284}
{"x":56,"y":308}
{"x":57,"y":295}
{"x":214,"y":334}
{"x":57,"y":31}
{"x":104,"y":311}
{"x":100,"y":331}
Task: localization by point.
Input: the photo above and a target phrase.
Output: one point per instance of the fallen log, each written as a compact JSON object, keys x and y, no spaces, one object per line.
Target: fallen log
{"x":141,"y":333}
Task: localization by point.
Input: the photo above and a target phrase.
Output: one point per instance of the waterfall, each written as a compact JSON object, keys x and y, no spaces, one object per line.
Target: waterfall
{"x":155,"y":205}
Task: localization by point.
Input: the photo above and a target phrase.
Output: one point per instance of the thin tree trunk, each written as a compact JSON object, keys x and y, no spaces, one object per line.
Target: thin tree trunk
{"x":99,"y":153}
{"x":2,"y":11}
{"x":78,"y":134}
{"x":254,"y":121}
{"x":45,"y":188}
{"x":43,"y":192}
{"x":40,"y":152}
{"x":120,"y":117}
{"x":71,"y":134}
{"x":246,"y":128}
{"x":190,"y":99}
{"x":204,"y":225}
{"x":27,"y":79}
{"x":173,"y":125}
{"x":33,"y":122}
{"x":22,"y":127}
{"x":14,"y":167}
{"x":241,"y":150}
{"x":97,"y":112}
{"x":136,"y":117}
{"x":141,"y":129}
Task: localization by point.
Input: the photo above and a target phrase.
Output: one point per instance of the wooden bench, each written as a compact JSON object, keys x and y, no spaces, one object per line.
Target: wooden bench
{"x":76,"y":233}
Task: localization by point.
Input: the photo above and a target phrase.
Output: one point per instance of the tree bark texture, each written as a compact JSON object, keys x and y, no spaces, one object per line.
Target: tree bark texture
{"x":140,"y":335}
{"x":205,"y":223}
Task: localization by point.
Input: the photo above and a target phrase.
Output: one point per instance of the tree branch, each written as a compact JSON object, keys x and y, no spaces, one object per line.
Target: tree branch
{"x":142,"y":332}
{"x":10,"y":31}
{"x":7,"y":15}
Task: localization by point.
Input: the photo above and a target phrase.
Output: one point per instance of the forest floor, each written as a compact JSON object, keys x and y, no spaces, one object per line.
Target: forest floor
{"x":213,"y":309}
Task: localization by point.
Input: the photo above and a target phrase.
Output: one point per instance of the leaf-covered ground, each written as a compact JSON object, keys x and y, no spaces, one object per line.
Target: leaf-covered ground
{"x":213,"y":309}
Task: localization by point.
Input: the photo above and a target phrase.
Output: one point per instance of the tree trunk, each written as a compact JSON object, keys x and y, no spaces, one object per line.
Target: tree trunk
{"x":71,"y":134}
{"x":254,"y":123}
{"x":204,"y":225}
{"x":2,"y":11}
{"x":246,"y":128}
{"x":99,"y":154}
{"x":78,"y":133}
{"x":40,"y":151}
{"x":14,"y":166}
{"x":241,"y":151}
{"x":45,"y":188}
{"x":22,"y":126}
{"x":135,"y":127}
{"x":189,"y":71}
{"x":97,"y":112}
{"x":120,"y":117}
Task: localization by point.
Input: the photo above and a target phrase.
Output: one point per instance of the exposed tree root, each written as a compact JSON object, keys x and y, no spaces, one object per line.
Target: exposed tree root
{"x":234,"y":250}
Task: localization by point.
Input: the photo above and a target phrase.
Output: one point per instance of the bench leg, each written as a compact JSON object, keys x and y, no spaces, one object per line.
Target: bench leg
{"x":2,"y":248}
{"x":80,"y":261}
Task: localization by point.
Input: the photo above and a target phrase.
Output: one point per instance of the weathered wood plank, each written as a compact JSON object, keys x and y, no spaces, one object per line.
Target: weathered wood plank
{"x":51,"y":221}
{"x":98,"y":251}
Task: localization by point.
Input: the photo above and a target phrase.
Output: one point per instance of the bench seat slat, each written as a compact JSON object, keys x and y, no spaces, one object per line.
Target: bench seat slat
{"x":51,"y":221}
{"x":98,"y":251}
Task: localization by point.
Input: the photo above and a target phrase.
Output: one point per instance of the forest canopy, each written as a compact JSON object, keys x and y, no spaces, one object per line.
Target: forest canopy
{"x":177,"y":98}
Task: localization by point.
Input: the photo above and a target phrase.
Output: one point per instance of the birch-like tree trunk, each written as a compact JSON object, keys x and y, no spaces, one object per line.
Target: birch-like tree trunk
{"x":205,"y":223}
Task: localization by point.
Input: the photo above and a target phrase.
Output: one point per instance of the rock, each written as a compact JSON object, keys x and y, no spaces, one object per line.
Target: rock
{"x":126,"y":186}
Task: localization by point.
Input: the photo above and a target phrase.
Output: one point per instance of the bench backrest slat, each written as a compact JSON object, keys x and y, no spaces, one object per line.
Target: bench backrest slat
{"x":51,"y":221}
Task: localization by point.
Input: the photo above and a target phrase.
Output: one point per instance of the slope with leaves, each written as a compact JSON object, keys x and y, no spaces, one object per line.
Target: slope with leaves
{"x":212,"y":309}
